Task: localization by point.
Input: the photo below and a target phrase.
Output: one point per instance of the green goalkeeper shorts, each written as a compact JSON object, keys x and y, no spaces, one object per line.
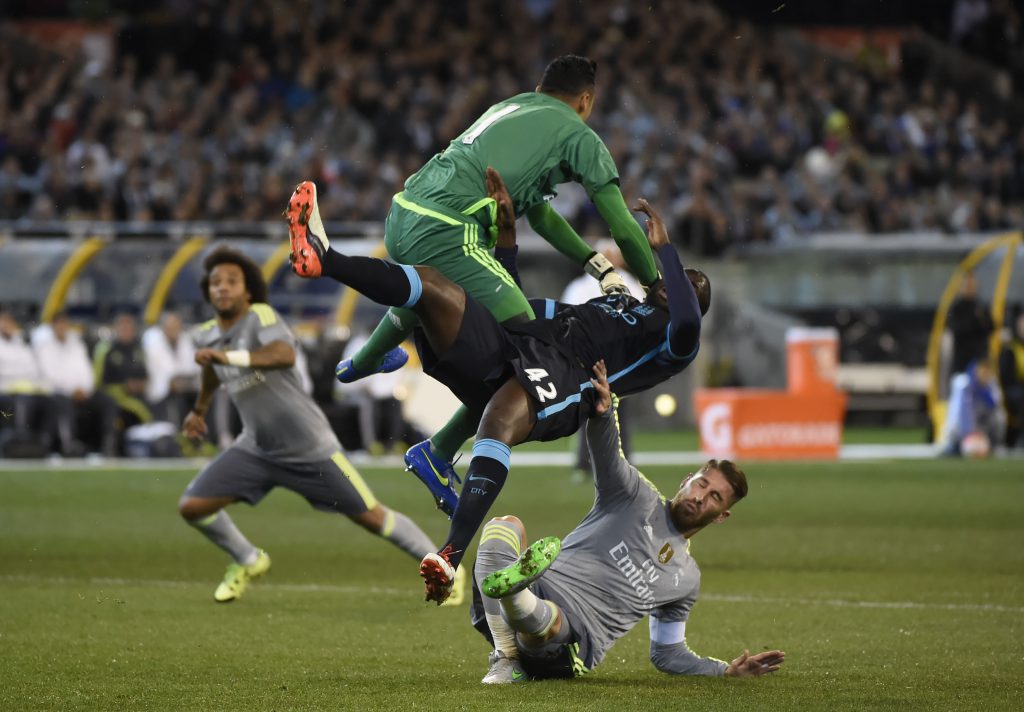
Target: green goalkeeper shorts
{"x":421,"y":232}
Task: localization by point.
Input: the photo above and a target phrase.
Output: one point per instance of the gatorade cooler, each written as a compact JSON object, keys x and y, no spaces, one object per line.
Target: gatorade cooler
{"x":812,"y":358}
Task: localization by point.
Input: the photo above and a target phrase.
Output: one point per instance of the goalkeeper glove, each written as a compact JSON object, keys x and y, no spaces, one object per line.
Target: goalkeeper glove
{"x":598,"y":267}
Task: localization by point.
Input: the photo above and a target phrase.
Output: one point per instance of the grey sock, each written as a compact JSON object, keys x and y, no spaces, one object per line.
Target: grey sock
{"x":219,"y":529}
{"x":537,"y":621}
{"x":496,"y":552}
{"x":403,"y":533}
{"x":564,"y":635}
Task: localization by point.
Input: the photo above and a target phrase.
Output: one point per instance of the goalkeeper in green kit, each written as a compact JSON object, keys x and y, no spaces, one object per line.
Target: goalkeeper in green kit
{"x":445,"y":219}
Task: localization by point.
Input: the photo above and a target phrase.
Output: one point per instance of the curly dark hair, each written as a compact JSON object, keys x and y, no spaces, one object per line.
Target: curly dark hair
{"x":254,"y":282}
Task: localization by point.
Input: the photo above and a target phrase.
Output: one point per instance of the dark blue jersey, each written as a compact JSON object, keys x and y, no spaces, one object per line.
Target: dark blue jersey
{"x":634,"y":339}
{"x":641,"y":344}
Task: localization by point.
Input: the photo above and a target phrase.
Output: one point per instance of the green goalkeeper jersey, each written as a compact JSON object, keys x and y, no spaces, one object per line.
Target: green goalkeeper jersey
{"x":533,"y":140}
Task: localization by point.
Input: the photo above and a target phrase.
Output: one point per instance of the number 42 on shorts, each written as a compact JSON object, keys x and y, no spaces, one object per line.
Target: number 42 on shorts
{"x":545,"y":392}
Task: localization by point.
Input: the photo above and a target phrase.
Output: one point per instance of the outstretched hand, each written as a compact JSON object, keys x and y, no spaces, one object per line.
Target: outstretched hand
{"x":657,"y":235}
{"x":506,"y":213}
{"x":748,"y":665}
{"x":602,"y":391}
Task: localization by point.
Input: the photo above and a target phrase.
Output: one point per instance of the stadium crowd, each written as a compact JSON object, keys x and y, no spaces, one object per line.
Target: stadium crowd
{"x":210,"y":111}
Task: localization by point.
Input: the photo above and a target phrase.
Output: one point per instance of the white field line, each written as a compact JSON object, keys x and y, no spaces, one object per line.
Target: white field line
{"x":520,"y":459}
{"x":391,"y":591}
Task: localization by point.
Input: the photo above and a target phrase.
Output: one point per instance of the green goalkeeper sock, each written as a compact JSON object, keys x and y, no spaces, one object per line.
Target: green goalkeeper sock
{"x":459,"y":428}
{"x":392,"y":330}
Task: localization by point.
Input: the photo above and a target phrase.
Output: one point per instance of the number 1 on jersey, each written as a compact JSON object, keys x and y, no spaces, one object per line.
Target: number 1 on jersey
{"x":486,"y":123}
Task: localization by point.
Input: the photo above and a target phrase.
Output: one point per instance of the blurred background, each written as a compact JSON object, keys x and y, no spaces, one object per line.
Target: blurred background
{"x":855,"y":170}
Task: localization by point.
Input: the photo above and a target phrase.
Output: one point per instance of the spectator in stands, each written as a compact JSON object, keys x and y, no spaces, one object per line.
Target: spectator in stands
{"x":171,"y":368}
{"x":579,"y":290}
{"x":65,"y":367}
{"x":120,"y":367}
{"x":24,"y":402}
{"x":225,"y":113}
{"x":1011,"y":379}
{"x":975,"y":413}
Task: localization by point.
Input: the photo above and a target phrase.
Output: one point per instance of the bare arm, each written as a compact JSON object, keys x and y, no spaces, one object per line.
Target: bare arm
{"x":194,"y":426}
{"x":506,"y":249}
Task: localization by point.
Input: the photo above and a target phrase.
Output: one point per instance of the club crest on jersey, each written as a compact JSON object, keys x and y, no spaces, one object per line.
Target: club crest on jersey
{"x":666,"y":553}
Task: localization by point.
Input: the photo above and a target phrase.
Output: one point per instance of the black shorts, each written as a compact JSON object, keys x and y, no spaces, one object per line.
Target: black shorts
{"x":476,"y":364}
{"x":560,"y":389}
{"x":485,"y":355}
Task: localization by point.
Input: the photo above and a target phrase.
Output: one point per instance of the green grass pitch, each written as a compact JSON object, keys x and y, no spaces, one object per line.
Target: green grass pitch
{"x":891,"y":586}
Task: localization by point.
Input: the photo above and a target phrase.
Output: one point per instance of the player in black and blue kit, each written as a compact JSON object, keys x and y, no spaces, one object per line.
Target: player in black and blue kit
{"x":529,"y":381}
{"x":642,"y":343}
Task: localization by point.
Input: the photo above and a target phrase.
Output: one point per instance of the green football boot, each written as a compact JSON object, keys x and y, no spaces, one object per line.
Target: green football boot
{"x":529,"y":567}
{"x":238,"y":576}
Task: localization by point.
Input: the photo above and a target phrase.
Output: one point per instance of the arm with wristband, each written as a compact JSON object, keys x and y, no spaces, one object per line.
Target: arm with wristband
{"x":554,"y":228}
{"x":276,"y":354}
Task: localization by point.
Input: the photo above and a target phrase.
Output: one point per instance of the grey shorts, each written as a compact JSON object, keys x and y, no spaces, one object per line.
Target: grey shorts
{"x":331,"y":485}
{"x":564,"y":658}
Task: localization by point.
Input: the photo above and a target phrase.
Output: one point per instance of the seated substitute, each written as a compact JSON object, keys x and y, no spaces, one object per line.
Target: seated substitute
{"x":528,"y":381}
{"x":286,"y":440}
{"x":556,"y":609}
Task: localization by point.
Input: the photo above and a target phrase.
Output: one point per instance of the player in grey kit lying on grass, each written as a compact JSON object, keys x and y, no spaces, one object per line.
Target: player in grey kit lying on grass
{"x":556,"y":609}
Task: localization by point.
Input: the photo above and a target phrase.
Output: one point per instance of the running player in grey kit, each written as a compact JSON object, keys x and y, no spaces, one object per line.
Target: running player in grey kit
{"x":286,"y":440}
{"x":556,"y":609}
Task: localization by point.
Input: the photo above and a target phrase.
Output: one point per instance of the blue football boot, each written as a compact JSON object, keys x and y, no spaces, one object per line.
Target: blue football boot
{"x":438,"y":475}
{"x":393,"y":360}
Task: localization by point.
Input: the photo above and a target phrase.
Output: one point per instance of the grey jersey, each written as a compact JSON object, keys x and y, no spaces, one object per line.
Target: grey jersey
{"x":625,"y":560}
{"x":279,"y":420}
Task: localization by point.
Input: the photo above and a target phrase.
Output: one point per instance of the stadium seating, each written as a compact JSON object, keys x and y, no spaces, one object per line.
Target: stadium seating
{"x":745,"y":135}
